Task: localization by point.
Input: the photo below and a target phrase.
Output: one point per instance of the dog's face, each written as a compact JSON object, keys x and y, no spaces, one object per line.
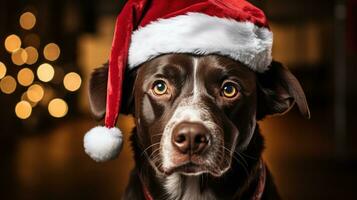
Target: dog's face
{"x":193,"y":112}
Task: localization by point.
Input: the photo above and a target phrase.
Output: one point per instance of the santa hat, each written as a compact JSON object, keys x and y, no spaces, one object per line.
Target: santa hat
{"x":146,"y":29}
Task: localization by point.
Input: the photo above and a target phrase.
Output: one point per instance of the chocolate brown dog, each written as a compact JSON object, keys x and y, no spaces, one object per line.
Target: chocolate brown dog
{"x":196,"y":133}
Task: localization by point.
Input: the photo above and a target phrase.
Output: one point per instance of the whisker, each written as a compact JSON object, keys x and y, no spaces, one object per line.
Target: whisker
{"x":157,"y":143}
{"x":156,"y":135}
{"x":157,"y":150}
{"x":244,"y":165}
{"x":243,"y":159}
{"x":233,"y":154}
{"x":248,"y":156}
{"x":156,"y":160}
{"x":240,"y":159}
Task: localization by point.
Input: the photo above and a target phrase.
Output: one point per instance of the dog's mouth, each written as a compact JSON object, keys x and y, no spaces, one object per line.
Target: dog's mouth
{"x":188,"y":168}
{"x":192,"y":169}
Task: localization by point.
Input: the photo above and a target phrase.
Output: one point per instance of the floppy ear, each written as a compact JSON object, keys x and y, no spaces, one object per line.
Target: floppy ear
{"x":278,"y":91}
{"x":98,"y":92}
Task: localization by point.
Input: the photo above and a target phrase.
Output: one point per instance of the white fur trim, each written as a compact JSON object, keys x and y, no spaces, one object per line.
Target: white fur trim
{"x":203,"y":34}
{"x":102,"y":143}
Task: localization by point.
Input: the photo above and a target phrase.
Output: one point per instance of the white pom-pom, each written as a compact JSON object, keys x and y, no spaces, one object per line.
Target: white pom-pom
{"x":102,"y":143}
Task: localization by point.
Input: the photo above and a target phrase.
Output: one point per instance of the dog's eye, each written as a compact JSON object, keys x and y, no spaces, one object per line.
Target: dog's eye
{"x":229,"y":90}
{"x":159,"y":87}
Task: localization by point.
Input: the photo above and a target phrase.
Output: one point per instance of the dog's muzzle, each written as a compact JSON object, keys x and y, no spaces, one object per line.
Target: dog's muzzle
{"x":190,"y":138}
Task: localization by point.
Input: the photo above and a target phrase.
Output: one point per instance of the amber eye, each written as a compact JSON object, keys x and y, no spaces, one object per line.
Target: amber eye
{"x":159,"y":87}
{"x":229,"y":90}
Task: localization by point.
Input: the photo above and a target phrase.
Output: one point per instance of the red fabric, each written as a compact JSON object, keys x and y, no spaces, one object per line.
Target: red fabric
{"x":261,"y":182}
{"x":239,"y":10}
{"x":141,"y":12}
{"x":126,"y":21}
{"x":147,"y":194}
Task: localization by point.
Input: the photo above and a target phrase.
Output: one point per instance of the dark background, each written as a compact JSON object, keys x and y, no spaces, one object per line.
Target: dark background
{"x":42,"y":157}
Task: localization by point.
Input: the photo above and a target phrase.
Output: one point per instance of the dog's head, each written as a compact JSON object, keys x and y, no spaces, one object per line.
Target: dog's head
{"x":193,"y":112}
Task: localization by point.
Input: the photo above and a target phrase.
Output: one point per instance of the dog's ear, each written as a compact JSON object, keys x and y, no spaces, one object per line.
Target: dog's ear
{"x":278,"y":91}
{"x":98,"y":92}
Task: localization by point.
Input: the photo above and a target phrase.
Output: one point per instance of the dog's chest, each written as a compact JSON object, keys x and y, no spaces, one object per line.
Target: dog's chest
{"x":187,"y":188}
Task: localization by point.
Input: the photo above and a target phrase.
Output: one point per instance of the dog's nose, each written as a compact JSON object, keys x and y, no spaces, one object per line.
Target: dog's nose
{"x":190,"y":138}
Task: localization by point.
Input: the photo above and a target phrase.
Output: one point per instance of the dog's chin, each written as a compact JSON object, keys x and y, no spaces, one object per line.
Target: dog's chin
{"x":192,"y":169}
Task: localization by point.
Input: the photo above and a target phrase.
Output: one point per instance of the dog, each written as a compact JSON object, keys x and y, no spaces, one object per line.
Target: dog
{"x":196,"y":134}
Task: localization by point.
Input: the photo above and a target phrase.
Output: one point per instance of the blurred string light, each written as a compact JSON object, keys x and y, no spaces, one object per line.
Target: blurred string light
{"x":12,"y":43}
{"x":8,"y":85}
{"x":19,"y":57}
{"x":2,"y":70}
{"x":72,"y":81}
{"x":35,"y":93}
{"x":24,"y":97}
{"x":45,"y":72}
{"x":32,"y":55}
{"x":51,"y":52}
{"x":23,"y":110}
{"x":25,"y":77}
{"x":27,"y":20}
{"x":58,"y":108}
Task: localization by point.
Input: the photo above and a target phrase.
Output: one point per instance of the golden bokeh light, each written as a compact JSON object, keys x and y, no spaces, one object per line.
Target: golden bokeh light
{"x":12,"y":43}
{"x":2,"y":70}
{"x":51,"y":51}
{"x":45,"y":72}
{"x":58,"y":108}
{"x":19,"y":57}
{"x":23,"y":110}
{"x":24,"y":97}
{"x":25,"y":77}
{"x":72,"y":81}
{"x":8,"y":85}
{"x":35,"y":93}
{"x":32,"y":55}
{"x":27,"y":20}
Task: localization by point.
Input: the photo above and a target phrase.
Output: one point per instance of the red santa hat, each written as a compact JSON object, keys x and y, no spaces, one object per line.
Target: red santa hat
{"x":146,"y":29}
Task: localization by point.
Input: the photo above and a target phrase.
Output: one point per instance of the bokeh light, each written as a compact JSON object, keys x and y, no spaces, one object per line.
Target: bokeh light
{"x":32,"y":55}
{"x":51,"y":51}
{"x":58,"y":108}
{"x":35,"y":93}
{"x":72,"y":81}
{"x":12,"y":43}
{"x":19,"y":57}
{"x":25,"y":77}
{"x":45,"y":72}
{"x":2,"y":70}
{"x":24,"y":97}
{"x":27,"y":20}
{"x":8,"y":85}
{"x":23,"y":110}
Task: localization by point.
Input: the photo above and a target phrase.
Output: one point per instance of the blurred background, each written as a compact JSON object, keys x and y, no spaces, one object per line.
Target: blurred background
{"x":49,"y":48}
